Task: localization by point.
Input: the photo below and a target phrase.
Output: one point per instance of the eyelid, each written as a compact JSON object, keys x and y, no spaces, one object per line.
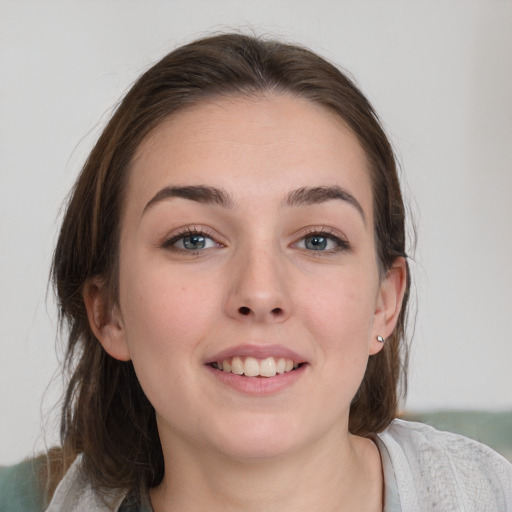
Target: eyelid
{"x":332,"y":234}
{"x":335,"y":235}
{"x":170,"y":239}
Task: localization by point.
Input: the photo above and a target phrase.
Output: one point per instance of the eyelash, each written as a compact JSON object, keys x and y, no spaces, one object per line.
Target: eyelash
{"x":189,"y":231}
{"x":342,"y":244}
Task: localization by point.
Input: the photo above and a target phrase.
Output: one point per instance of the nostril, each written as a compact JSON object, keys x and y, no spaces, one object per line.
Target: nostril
{"x":245,"y":311}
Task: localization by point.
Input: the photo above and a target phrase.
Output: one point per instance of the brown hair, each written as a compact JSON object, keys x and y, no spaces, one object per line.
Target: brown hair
{"x":105,"y":414}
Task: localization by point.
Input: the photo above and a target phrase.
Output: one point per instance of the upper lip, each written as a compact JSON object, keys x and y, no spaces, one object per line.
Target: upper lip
{"x":257,"y":351}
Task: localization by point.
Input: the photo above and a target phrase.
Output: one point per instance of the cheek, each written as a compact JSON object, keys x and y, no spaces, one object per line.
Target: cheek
{"x":341,"y":306}
{"x":165,"y":312}
{"x":339,"y":318}
{"x":166,"y":316}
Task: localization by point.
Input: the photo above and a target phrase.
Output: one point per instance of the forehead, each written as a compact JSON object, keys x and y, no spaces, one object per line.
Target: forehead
{"x":252,"y":145}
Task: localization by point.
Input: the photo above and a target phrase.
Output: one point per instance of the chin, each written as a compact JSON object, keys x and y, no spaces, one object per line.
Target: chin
{"x":260,"y":439}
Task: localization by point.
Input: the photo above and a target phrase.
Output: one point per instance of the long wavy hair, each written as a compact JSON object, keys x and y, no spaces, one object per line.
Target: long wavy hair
{"x":105,"y":413}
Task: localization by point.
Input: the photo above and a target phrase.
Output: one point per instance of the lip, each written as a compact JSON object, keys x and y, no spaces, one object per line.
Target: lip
{"x":257,"y":351}
{"x":258,"y":386}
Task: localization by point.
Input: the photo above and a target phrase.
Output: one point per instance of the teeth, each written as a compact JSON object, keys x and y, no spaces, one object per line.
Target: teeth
{"x":237,"y":366}
{"x":252,"y":367}
{"x":268,"y":367}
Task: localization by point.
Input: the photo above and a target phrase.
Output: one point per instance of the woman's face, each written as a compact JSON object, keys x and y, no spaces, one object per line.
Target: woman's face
{"x":247,"y":246}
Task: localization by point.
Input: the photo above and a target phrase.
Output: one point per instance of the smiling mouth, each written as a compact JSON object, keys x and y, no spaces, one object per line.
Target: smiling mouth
{"x":254,"y":367}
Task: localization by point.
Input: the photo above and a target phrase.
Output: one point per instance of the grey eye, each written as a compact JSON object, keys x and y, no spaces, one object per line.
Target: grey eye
{"x":316,"y":242}
{"x":321,"y":242}
{"x":194,"y":242}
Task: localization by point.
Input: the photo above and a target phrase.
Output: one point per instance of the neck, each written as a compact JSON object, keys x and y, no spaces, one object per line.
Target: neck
{"x":330,"y":476}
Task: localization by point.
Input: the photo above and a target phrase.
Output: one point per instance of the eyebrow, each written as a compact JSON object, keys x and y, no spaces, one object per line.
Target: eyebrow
{"x":197,"y":193}
{"x":212,"y":195}
{"x":317,"y":195}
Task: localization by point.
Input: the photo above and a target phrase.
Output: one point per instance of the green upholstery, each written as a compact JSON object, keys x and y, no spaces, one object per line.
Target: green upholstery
{"x":19,"y":488}
{"x":491,"y":428}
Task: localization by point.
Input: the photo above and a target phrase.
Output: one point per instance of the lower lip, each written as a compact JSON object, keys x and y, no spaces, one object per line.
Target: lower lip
{"x":258,"y":386}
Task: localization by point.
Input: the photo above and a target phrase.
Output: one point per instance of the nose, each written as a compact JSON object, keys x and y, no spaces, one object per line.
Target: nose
{"x":258,"y":288}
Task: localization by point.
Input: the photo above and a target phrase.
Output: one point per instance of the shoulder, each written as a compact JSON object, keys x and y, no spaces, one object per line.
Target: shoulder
{"x":76,"y":494}
{"x":446,"y":470}
{"x":20,"y":490}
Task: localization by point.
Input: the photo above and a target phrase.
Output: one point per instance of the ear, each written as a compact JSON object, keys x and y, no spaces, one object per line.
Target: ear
{"x":389,"y":303}
{"x":105,"y":319}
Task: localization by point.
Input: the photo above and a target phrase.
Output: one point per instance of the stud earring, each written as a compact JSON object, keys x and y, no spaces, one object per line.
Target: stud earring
{"x":380,"y":339}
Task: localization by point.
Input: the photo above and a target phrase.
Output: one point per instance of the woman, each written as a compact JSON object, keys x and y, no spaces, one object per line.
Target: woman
{"x":232,"y":269}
